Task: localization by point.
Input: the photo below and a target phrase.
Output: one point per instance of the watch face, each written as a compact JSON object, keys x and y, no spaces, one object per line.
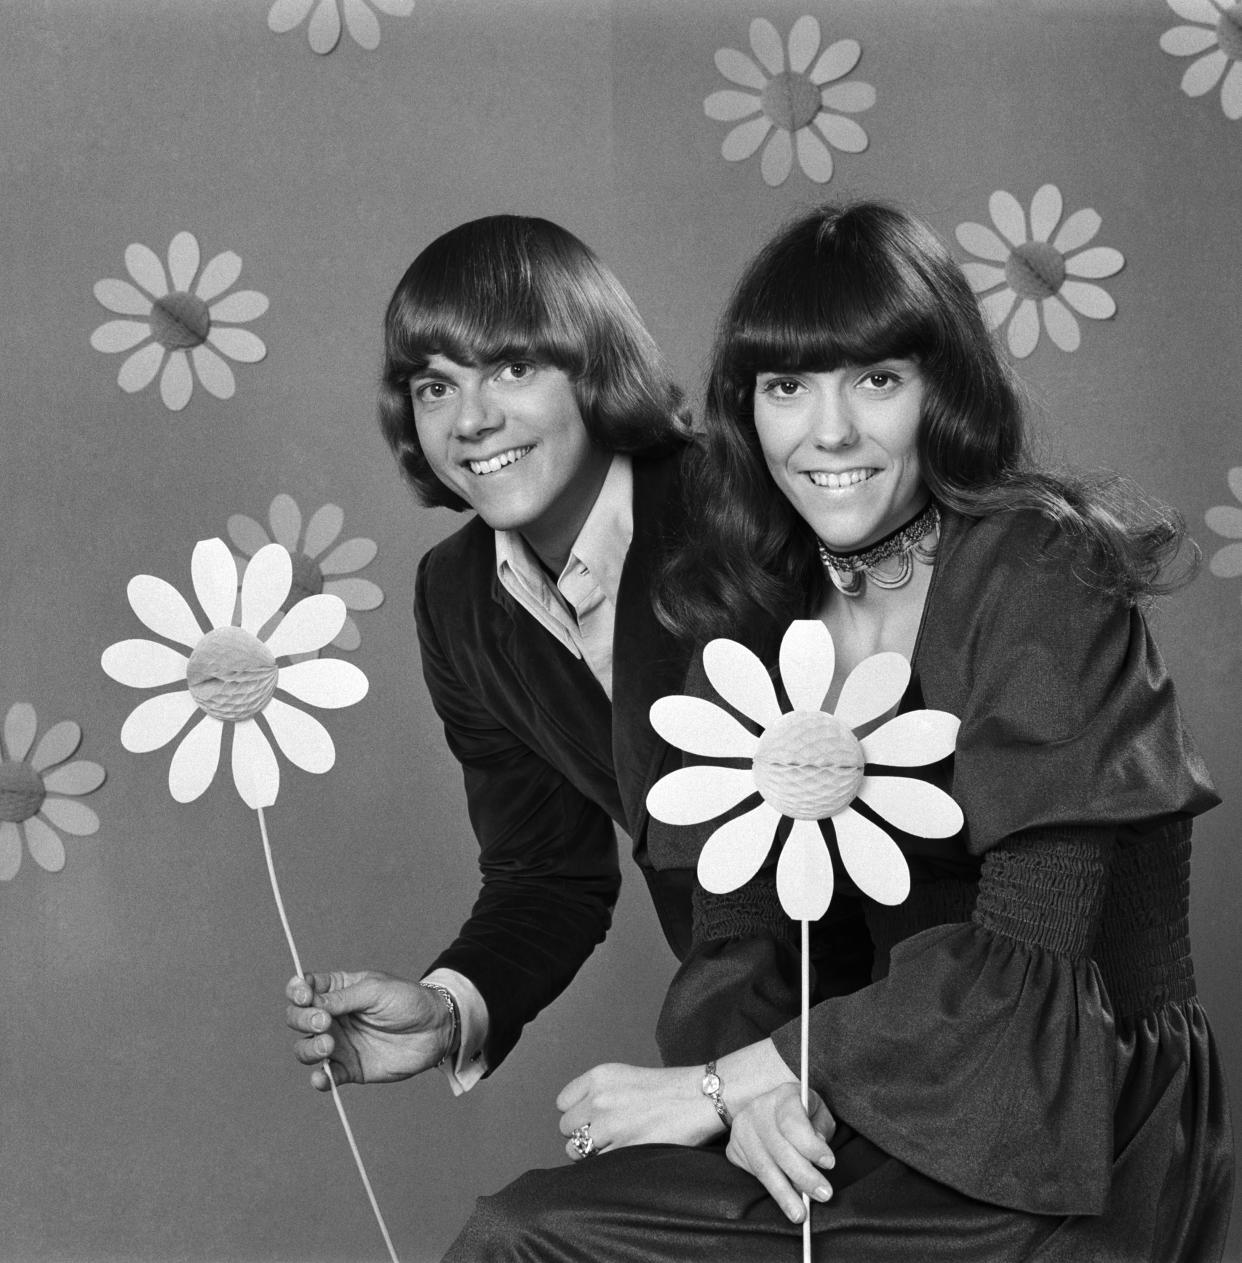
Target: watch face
{"x":711,"y":1083}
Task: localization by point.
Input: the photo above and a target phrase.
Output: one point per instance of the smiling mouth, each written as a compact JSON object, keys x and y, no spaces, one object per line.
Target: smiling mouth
{"x":498,"y":462}
{"x":842,"y":481}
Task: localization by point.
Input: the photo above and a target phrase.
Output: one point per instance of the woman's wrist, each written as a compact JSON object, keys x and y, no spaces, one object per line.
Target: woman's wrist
{"x":749,"y":1073}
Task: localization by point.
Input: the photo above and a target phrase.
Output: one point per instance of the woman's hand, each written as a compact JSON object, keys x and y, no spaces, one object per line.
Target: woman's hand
{"x":633,"y":1105}
{"x":783,"y":1148}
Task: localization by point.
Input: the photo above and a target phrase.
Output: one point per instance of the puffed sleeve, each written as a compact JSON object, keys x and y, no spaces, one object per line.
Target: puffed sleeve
{"x":547,"y":855}
{"x":984,"y":1058}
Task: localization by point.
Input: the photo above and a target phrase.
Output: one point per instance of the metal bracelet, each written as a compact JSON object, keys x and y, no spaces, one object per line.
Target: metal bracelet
{"x":450,"y":1001}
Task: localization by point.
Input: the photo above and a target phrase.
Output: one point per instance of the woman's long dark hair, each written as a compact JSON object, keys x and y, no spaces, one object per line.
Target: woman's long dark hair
{"x":852,"y":286}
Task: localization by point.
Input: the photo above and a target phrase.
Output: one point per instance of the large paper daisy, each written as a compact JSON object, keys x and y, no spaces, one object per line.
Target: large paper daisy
{"x":808,"y":765}
{"x":230,"y":675}
{"x":798,"y":106}
{"x":320,"y":564}
{"x":1214,"y":40}
{"x":324,"y":28}
{"x":179,"y":322}
{"x":1039,"y":272}
{"x":1226,"y":520}
{"x":34,"y":788}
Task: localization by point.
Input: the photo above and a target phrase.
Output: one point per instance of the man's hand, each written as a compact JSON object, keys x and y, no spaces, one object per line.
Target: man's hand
{"x":369,"y":1027}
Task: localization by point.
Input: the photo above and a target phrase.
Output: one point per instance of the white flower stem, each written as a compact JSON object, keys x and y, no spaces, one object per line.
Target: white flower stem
{"x":336,"y":1096}
{"x":803,"y":1057}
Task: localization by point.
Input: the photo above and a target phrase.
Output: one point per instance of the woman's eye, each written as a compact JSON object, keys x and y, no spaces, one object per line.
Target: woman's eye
{"x":880,"y":380}
{"x":428,"y":392}
{"x":518,"y":371}
{"x":783,"y":387}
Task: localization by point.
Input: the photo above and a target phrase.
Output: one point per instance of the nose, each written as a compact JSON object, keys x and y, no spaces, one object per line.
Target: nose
{"x":834,"y":426}
{"x":478,"y":415}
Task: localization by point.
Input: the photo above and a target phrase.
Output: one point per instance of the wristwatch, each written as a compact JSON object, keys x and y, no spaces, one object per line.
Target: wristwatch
{"x":712,"y":1088}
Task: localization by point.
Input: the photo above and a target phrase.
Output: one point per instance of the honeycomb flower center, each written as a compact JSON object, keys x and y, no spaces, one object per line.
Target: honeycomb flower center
{"x":1035,"y":270}
{"x":21,"y":791}
{"x":180,"y":321}
{"x":1229,"y":32}
{"x":231,"y":674}
{"x":808,"y":765}
{"x":307,"y":580}
{"x":791,"y":100}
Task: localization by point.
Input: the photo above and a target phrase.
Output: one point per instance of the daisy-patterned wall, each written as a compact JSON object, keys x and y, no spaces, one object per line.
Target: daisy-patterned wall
{"x":205,"y":207}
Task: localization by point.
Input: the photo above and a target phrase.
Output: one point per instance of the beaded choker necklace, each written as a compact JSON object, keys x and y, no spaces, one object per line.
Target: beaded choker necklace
{"x":916,"y":540}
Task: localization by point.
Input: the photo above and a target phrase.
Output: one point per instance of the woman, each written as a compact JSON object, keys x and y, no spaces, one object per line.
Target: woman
{"x":1029,"y":1075}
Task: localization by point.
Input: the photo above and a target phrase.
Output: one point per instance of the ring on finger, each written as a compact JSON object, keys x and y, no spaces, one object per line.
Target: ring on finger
{"x":580,"y":1139}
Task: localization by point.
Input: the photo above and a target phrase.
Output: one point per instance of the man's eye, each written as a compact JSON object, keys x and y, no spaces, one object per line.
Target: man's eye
{"x":517,"y":371}
{"x":430,"y":391}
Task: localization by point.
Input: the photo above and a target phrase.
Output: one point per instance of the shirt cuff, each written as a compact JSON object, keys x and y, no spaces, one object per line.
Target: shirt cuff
{"x":469,"y":1066}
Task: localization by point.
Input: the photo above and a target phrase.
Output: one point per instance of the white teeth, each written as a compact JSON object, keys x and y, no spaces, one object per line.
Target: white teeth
{"x":837,"y":481}
{"x":497,"y":463}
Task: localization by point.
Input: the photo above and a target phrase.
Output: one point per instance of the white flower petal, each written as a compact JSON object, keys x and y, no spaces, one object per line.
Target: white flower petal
{"x":120,"y":335}
{"x":46,"y":848}
{"x":306,"y":743}
{"x":1095,"y":263}
{"x":395,"y":8}
{"x":1087,"y":299}
{"x":736,"y":851}
{"x":284,"y":15}
{"x":163,"y":609}
{"x":807,"y":663}
{"x":324,"y":526}
{"x":183,"y":260}
{"x":349,"y":637}
{"x":911,"y":740}
{"x":256,"y":774}
{"x":1046,"y":207}
{"x":20,"y":725}
{"x":145,"y":267}
{"x":325,"y":27}
{"x":237,"y":344}
{"x":744,"y":139}
{"x":701,"y":727}
{"x":154,"y":723}
{"x":835,"y":61}
{"x":362,"y":24}
{"x":1077,"y":230}
{"x":803,"y":43}
{"x":214,"y":575}
{"x":872,"y":688}
{"x":1024,"y":329}
{"x":691,"y":795}
{"x":1185,"y":41}
{"x":358,"y":594}
{"x":872,"y":858}
{"x":56,"y":745}
{"x":324,"y":682}
{"x":843,"y":133}
{"x":122,"y":297}
{"x":911,"y":805}
{"x":1203,"y":75}
{"x":997,"y":306}
{"x":10,"y":850}
{"x":850,"y":98}
{"x":143,"y":664}
{"x":1224,"y":519}
{"x":983,"y":276}
{"x":1008,"y":216}
{"x":139,"y":370}
{"x":73,"y":817}
{"x":195,"y":760}
{"x":177,"y":382}
{"x":218,"y":275}
{"x":311,"y":624}
{"x":980,"y":240}
{"x":777,"y":160}
{"x":739,"y":69}
{"x":265,"y":585}
{"x":237,"y":308}
{"x":285,"y":519}
{"x":728,"y":105}
{"x":213,"y":372}
{"x":1234,"y":478}
{"x":804,"y":873}
{"x":1231,"y":92}
{"x":741,"y":679}
{"x":248,"y":536}
{"x":1227,"y":562}
{"x":765,"y":42}
{"x":1061,"y":325}
{"x":346,"y":557}
{"x":82,"y":776}
{"x":1196,"y":10}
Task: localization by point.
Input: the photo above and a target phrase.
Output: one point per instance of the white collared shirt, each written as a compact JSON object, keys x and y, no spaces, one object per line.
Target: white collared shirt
{"x":579,"y":611}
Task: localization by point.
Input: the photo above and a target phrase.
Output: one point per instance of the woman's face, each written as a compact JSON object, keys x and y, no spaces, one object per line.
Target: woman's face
{"x":843,"y":447}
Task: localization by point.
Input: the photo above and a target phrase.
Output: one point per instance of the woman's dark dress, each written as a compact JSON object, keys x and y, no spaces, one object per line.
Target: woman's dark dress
{"x":1029,"y":1075}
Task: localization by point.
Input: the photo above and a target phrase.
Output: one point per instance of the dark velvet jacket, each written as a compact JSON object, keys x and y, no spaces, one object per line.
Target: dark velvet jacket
{"x":549,"y":764}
